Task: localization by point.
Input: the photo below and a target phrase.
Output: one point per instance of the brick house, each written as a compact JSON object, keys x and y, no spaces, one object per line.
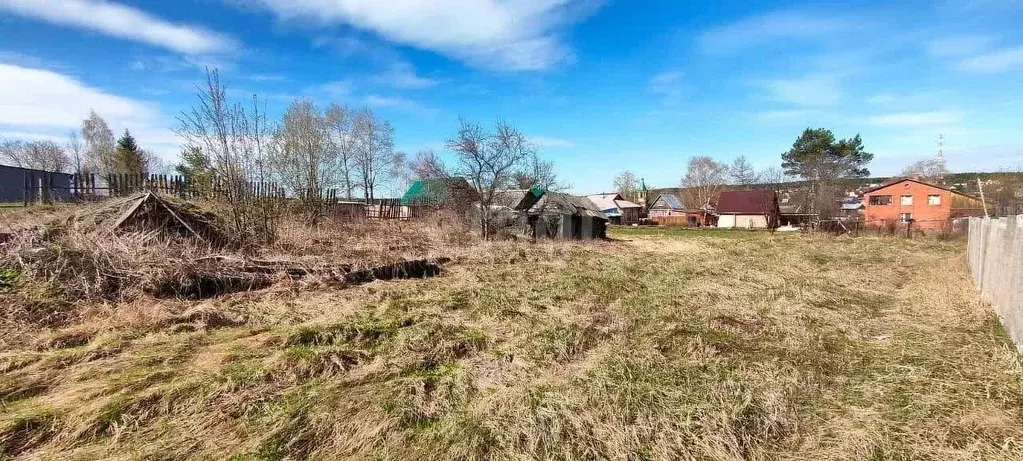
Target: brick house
{"x":927,"y":206}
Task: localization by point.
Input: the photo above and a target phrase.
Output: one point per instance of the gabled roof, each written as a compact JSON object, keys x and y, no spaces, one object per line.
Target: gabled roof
{"x":671,"y":201}
{"x":556,"y":202}
{"x":755,"y":201}
{"x":517,"y":199}
{"x":610,"y":203}
{"x":901,"y":180}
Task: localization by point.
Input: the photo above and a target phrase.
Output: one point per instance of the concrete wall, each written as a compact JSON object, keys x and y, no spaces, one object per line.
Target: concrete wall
{"x":743,"y":221}
{"x":995,"y":259}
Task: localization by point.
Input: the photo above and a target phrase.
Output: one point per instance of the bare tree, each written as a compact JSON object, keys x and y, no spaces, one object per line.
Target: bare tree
{"x":930,"y":169}
{"x":626,"y":184}
{"x":223,"y":134}
{"x":39,"y":155}
{"x":536,"y":172}
{"x":99,"y":144}
{"x":342,"y":140}
{"x":741,"y":172}
{"x":301,"y":157}
{"x":772,"y":176}
{"x":702,"y":182}
{"x":76,"y":150}
{"x":427,"y":165}
{"x":488,"y":161}
{"x":374,"y":152}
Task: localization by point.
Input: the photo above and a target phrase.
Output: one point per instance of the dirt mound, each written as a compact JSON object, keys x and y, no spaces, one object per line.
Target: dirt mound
{"x":151,"y":213}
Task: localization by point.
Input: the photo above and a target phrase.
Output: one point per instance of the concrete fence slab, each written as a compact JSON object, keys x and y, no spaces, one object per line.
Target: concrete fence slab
{"x":994,"y":256}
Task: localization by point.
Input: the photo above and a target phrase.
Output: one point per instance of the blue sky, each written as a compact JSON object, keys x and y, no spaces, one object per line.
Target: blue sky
{"x":601,"y":86}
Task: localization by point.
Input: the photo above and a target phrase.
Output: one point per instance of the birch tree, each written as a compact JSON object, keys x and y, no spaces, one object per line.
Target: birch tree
{"x":342,"y":141}
{"x":374,"y":152}
{"x":302,"y":158}
{"x":99,"y":144}
{"x":702,"y":182}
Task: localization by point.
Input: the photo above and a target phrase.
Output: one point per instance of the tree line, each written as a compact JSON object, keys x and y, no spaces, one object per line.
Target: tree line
{"x":90,"y":150}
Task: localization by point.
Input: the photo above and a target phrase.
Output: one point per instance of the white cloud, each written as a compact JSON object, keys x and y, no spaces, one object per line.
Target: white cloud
{"x":336,"y":89}
{"x":819,"y":89}
{"x":778,"y":25}
{"x":399,"y":103}
{"x":122,"y":22}
{"x":915,"y":119}
{"x":40,"y":104}
{"x":960,"y":45}
{"x":495,"y":34}
{"x":549,"y":142}
{"x":995,"y":61}
{"x":403,"y":75}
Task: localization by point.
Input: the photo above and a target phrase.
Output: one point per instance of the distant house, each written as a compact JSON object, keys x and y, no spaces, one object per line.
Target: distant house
{"x":753,"y":209}
{"x":852,"y":207}
{"x":616,"y":209}
{"x":666,"y":205}
{"x":926,"y":205}
{"x":453,"y":192}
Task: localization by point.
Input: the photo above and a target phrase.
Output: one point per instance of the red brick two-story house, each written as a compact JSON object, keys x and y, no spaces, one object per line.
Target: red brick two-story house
{"x":928,"y":206}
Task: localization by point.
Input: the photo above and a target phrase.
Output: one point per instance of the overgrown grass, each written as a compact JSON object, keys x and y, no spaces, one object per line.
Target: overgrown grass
{"x":665,"y":344}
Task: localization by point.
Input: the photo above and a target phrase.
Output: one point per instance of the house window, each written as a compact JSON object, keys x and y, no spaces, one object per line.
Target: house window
{"x":934,"y":200}
{"x":906,"y":200}
{"x":880,"y":199}
{"x":906,"y":217}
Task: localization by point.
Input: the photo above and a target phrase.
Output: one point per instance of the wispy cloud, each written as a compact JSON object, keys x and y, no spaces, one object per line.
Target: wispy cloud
{"x":815,"y":89}
{"x":265,"y":77}
{"x":668,"y":83}
{"x":399,"y":103}
{"x":960,"y":45}
{"x":881,"y":99}
{"x":777,"y":25}
{"x":915,"y":119}
{"x":502,"y":35}
{"x":402,"y":75}
{"x":123,"y":22}
{"x":551,"y":143}
{"x":995,"y":61}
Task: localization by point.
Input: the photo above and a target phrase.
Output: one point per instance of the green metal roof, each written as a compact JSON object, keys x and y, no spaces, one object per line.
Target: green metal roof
{"x":432,"y":191}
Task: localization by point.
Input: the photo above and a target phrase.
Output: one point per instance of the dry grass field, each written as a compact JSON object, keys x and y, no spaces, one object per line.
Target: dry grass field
{"x":654,"y":346}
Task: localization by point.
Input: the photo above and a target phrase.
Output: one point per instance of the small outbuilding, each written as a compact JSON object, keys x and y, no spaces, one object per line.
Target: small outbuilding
{"x":558,"y":215}
{"x":748,"y":209}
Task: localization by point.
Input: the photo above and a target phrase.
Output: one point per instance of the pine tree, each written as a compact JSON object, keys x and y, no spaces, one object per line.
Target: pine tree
{"x":128,"y":158}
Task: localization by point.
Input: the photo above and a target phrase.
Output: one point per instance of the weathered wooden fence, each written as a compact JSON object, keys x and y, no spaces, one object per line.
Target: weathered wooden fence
{"x":320,"y":203}
{"x":995,"y":259}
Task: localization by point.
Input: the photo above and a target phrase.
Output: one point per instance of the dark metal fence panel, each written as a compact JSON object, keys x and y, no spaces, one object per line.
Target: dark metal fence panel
{"x":20,"y":185}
